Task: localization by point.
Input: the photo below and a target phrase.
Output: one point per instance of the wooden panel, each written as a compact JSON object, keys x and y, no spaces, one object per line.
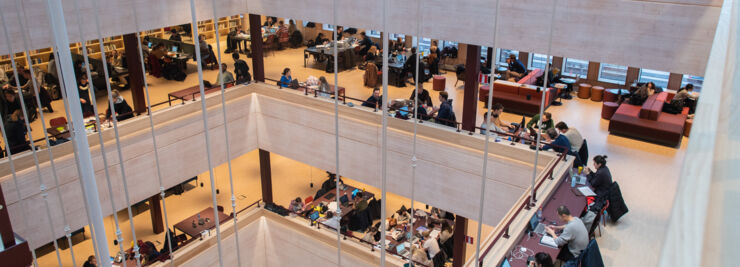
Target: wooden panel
{"x":674,"y":81}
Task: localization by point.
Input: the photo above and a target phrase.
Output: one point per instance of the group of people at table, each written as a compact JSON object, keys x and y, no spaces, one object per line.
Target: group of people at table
{"x":433,"y":236}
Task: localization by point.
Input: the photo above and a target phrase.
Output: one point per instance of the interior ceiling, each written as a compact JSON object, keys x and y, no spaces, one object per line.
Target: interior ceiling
{"x":668,"y":35}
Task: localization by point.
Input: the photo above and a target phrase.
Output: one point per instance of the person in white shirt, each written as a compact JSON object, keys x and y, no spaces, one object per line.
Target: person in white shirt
{"x":225,"y":75}
{"x":430,"y":245}
{"x":574,"y":137}
{"x":493,"y":127}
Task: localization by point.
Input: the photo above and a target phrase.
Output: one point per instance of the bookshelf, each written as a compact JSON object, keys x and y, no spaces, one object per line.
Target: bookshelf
{"x":40,"y":57}
{"x":225,"y":25}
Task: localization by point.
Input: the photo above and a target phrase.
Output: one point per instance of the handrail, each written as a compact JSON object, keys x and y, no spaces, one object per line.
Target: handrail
{"x":526,"y":204}
{"x":249,"y":206}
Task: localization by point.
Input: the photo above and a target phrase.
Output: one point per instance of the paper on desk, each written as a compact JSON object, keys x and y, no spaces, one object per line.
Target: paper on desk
{"x":586,"y":191}
{"x":547,"y":240}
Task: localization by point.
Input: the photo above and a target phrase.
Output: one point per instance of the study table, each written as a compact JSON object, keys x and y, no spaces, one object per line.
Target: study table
{"x":189,"y":93}
{"x":330,"y":197}
{"x":422,"y":219}
{"x":345,"y":53}
{"x":192,"y":226}
{"x":563,"y":195}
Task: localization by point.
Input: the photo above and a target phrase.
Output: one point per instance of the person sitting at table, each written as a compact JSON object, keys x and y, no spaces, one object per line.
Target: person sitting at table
{"x":241,"y":70}
{"x":286,"y":79}
{"x":325,"y":90}
{"x":541,"y":259}
{"x":445,"y":238}
{"x":639,"y":96}
{"x":651,"y":89}
{"x":269,"y":21}
{"x":546,"y":124}
{"x":398,"y":46}
{"x":282,"y":32}
{"x":372,"y":235}
{"x":225,"y":76}
{"x":420,"y":256}
{"x":331,"y":183}
{"x":90,"y":262}
{"x":691,"y":101}
{"x":123,"y":110}
{"x":331,"y":220}
{"x":10,"y":104}
{"x":430,"y":245}
{"x":340,"y":32}
{"x":83,"y":88}
{"x":15,"y":130}
{"x":574,"y":235}
{"x":205,"y":52}
{"x":365,"y":44}
{"x":574,"y":137}
{"x":28,"y":89}
{"x":159,"y":52}
{"x":516,"y":68}
{"x":403,"y":214}
{"x":424,"y":97}
{"x":496,"y":111}
{"x":320,"y":39}
{"x":679,"y":101}
{"x":558,"y":142}
{"x":445,"y":115}
{"x":410,"y":67}
{"x":372,"y":54}
{"x":375,"y":100}
{"x":361,"y":202}
{"x":296,"y":205}
{"x":493,"y":127}
{"x":175,"y":36}
{"x":601,"y":179}
{"x":441,"y":214}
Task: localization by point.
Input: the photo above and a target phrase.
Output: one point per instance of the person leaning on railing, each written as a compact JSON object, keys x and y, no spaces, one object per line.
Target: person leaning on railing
{"x":374,"y":101}
{"x":445,"y":115}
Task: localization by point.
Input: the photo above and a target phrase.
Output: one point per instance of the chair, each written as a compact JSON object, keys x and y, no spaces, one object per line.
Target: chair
{"x":371,"y":75}
{"x":270,"y":44}
{"x":583,"y":152}
{"x":602,"y":217}
{"x":309,"y":199}
{"x":155,"y":68}
{"x":460,"y":71}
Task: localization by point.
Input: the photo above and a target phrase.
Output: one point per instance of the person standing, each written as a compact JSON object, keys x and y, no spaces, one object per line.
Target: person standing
{"x":83,"y":88}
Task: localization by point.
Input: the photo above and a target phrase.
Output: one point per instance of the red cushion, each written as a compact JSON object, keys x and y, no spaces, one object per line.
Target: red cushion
{"x":531,"y":77}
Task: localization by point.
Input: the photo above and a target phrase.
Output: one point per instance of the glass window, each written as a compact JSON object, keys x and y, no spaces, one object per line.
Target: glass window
{"x":444,"y":44}
{"x":424,"y":45}
{"x":328,"y":27}
{"x":611,"y":73}
{"x":575,"y":67}
{"x":372,"y":33}
{"x":395,"y":36}
{"x":537,"y":61}
{"x":660,"y":78}
{"x":503,"y":54}
{"x":697,"y":81}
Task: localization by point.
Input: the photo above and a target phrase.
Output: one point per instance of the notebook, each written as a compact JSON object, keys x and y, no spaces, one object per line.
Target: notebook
{"x":547,"y":240}
{"x":586,"y":191}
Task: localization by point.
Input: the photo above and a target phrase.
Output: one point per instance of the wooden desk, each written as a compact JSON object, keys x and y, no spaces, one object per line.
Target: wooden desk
{"x":189,"y":93}
{"x":348,"y":191}
{"x":186,"y":226}
{"x":420,"y":221}
{"x":57,"y":134}
{"x":563,"y":195}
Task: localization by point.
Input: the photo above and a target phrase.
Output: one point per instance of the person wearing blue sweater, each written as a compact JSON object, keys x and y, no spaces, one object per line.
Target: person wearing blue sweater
{"x":286,"y":78}
{"x":559,"y":142}
{"x":516,"y":68}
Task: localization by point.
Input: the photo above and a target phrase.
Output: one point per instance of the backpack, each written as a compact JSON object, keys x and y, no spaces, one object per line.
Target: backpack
{"x":294,"y":84}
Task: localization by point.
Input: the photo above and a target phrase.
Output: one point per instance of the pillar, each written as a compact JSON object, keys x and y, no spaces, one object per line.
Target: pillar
{"x":135,"y":73}
{"x":258,"y":61}
{"x":633,"y":74}
{"x":458,"y":241}
{"x":470,"y":96}
{"x":6,"y":230}
{"x":490,"y":59}
{"x":674,"y":81}
{"x":265,"y":176}
{"x":155,"y":210}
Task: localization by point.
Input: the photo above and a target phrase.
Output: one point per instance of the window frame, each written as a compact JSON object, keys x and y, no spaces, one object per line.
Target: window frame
{"x":657,"y":80}
{"x":373,"y":33}
{"x":502,"y":58}
{"x":532,"y":61}
{"x":698,"y":84}
{"x":327,"y":27}
{"x":609,"y":80}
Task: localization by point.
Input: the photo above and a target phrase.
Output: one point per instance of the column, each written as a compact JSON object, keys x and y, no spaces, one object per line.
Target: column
{"x":674,"y":81}
{"x":490,"y":59}
{"x":470,"y":97}
{"x":458,"y":241}
{"x":135,"y":73}
{"x":266,"y":176}
{"x":6,"y":230}
{"x":155,"y":210}
{"x":258,"y":62}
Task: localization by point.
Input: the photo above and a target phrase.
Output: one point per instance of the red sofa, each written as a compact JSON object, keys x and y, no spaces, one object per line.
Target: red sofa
{"x":517,"y":98}
{"x":648,"y":122}
{"x":531,"y":77}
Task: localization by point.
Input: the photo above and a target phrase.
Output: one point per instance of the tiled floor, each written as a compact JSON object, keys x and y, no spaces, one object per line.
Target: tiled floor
{"x":647,"y":173}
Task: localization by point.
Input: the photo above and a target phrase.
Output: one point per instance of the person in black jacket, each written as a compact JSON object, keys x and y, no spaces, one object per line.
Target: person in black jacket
{"x":175,"y":36}
{"x":424,"y":97}
{"x":516,"y":69}
{"x":122,"y":109}
{"x":90,"y":262}
{"x":241,"y":70}
{"x":375,"y":100}
{"x":601,"y":179}
{"x":15,"y":129}
{"x":83,"y":88}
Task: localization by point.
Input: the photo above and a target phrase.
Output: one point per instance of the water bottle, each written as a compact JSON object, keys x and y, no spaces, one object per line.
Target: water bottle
{"x":572,"y":182}
{"x":539,"y":213}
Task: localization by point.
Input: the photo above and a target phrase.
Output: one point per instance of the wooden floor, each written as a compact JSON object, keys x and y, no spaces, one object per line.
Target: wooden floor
{"x":647,"y":173}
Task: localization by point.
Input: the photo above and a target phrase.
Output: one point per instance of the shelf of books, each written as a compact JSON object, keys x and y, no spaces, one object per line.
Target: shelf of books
{"x":40,"y":57}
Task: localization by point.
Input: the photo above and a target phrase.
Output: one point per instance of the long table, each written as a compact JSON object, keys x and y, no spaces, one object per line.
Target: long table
{"x":563,"y":195}
{"x":329,"y":53}
{"x":189,"y":93}
{"x":186,"y":226}
{"x":347,"y":191}
{"x":419,"y":222}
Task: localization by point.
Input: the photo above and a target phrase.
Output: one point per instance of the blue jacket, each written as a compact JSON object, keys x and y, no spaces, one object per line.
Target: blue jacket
{"x":517,"y":66}
{"x":591,"y":256}
{"x":562,"y":141}
{"x":285,"y":81}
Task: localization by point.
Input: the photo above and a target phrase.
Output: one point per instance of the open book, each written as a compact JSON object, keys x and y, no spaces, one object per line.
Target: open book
{"x":547,"y":240}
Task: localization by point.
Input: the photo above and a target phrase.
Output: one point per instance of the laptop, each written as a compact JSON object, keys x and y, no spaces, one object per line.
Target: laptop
{"x":505,"y":263}
{"x":330,"y":196}
{"x":174,"y":49}
{"x":314,"y":216}
{"x":536,"y":226}
{"x":344,"y":199}
{"x":149,"y":44}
